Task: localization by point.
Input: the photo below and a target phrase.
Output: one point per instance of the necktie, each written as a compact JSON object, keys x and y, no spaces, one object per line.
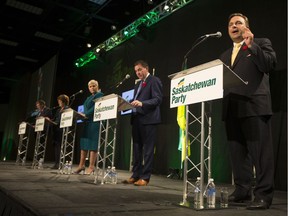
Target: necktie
{"x":235,"y":52}
{"x":138,"y":90}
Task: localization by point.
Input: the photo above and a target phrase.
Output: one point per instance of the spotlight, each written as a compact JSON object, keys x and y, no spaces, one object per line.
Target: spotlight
{"x":113,"y":27}
{"x":89,"y":45}
{"x":150,"y":2}
{"x":166,"y":7}
{"x":98,"y":50}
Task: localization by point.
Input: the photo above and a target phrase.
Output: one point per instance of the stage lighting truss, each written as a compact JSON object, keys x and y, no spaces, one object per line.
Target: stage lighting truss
{"x":160,"y":12}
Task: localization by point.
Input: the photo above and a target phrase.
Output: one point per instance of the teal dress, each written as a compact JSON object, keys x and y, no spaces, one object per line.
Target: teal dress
{"x":90,"y":135}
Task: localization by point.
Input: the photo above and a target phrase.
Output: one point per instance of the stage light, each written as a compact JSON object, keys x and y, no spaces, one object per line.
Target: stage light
{"x":89,"y":45}
{"x":150,"y":2}
{"x":166,"y":7}
{"x":98,"y":50}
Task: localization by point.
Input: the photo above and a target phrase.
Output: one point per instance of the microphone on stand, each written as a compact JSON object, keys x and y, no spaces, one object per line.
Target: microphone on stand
{"x":120,"y":83}
{"x":197,"y":42}
{"x":217,"y":35}
{"x":79,"y":92}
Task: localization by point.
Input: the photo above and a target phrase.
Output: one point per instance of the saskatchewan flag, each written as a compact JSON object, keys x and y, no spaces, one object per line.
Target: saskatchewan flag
{"x":181,"y":120}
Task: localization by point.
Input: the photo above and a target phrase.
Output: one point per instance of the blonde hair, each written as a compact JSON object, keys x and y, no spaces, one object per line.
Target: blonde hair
{"x":93,"y":82}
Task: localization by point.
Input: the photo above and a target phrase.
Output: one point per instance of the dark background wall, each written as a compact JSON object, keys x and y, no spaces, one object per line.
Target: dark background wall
{"x":163,"y":46}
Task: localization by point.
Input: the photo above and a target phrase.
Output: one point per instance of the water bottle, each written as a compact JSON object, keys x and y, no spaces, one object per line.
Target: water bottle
{"x":211,"y":193}
{"x":114,"y":175}
{"x":107,"y":177}
{"x":197,"y":194}
{"x":69,"y":169}
{"x":23,"y":161}
{"x":65,"y":170}
{"x":40,"y":163}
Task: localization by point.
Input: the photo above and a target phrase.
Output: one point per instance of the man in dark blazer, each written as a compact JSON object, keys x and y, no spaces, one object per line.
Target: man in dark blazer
{"x":247,"y":114}
{"x":144,"y":120}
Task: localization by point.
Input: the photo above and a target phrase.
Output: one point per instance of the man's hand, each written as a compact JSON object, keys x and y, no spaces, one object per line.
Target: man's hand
{"x":247,"y":36}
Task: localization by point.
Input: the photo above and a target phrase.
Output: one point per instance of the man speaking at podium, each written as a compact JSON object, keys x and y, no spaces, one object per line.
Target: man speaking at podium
{"x":247,"y":114}
{"x":145,"y":117}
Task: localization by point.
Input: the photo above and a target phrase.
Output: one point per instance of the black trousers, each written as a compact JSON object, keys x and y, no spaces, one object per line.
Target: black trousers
{"x":250,"y":144}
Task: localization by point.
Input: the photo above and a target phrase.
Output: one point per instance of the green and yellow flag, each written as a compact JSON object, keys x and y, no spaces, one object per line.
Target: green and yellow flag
{"x":181,"y":120}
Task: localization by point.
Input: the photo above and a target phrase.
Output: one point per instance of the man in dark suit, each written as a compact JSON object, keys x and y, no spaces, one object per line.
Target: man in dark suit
{"x":247,"y":114}
{"x":144,"y":120}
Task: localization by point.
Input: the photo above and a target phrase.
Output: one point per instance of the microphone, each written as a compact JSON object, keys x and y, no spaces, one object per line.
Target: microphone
{"x":125,"y":78}
{"x":79,"y":92}
{"x":196,"y":43}
{"x":217,"y":35}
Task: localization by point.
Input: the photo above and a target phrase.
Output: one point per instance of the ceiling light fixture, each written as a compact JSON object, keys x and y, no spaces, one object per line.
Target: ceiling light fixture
{"x":26,"y":59}
{"x":24,"y":6}
{"x":48,"y":36}
{"x":8,"y":42}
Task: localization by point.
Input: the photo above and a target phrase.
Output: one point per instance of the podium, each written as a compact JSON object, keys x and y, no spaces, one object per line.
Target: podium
{"x":200,"y":84}
{"x":68,"y":122}
{"x":42,"y":126}
{"x":106,"y":110}
{"x":24,"y":132}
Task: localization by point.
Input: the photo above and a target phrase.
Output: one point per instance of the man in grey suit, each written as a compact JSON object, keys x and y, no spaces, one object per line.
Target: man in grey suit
{"x":247,"y":114}
{"x":145,"y":117}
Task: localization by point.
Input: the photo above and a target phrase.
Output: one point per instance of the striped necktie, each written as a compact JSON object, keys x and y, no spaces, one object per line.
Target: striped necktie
{"x":235,"y":52}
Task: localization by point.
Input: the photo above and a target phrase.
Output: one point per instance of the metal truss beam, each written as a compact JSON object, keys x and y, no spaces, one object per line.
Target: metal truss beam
{"x":160,"y":12}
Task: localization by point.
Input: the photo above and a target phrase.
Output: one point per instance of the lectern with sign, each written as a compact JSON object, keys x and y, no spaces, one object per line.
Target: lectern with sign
{"x":105,"y":111}
{"x":42,"y":126}
{"x":68,"y":123}
{"x":200,"y":84}
{"x":24,"y":132}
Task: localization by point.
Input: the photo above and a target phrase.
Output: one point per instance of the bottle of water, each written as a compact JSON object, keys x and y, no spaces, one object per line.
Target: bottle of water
{"x":40,"y":163}
{"x":69,"y":169}
{"x":197,"y":194}
{"x":23,"y":161}
{"x":114,"y":175}
{"x":65,"y":170}
{"x":107,"y":177}
{"x":211,"y":193}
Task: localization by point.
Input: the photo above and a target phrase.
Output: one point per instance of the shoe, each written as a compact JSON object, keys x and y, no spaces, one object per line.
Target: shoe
{"x":258,"y":205}
{"x":90,"y":171}
{"x":141,"y":182}
{"x":79,"y":170}
{"x":130,"y":181}
{"x":233,"y":198}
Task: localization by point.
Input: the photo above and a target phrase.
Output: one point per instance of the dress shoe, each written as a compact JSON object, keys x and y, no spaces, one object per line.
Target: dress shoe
{"x":90,"y":171}
{"x":130,"y":181}
{"x":258,"y":205}
{"x":79,"y":170}
{"x":239,"y":199}
{"x":141,"y":182}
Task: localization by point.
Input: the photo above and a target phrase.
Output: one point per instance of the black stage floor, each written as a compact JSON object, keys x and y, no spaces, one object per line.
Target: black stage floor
{"x":26,"y":191}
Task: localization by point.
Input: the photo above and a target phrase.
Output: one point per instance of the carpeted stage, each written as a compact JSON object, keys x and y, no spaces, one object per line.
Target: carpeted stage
{"x":25,"y":191}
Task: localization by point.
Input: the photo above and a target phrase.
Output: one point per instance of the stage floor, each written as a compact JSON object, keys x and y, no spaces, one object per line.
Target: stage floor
{"x":26,"y":191}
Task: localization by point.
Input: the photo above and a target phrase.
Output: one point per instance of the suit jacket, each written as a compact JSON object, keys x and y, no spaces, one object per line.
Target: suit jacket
{"x":151,"y":97}
{"x":252,"y":65}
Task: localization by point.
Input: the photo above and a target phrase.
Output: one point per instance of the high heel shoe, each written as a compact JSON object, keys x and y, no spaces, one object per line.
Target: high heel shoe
{"x":90,"y":171}
{"x":79,"y":170}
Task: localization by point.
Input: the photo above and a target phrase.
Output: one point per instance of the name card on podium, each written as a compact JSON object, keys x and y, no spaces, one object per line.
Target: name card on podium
{"x":67,"y":118}
{"x":39,"y":125}
{"x":22,"y":128}
{"x":105,"y":108}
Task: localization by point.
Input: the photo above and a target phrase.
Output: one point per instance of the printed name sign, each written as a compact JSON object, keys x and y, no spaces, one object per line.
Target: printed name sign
{"x":22,"y":128}
{"x":39,"y":125}
{"x":195,"y":87}
{"x":105,"y":109}
{"x":66,"y":118}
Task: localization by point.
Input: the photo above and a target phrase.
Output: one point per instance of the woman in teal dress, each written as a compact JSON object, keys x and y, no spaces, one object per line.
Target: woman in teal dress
{"x":90,"y":135}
